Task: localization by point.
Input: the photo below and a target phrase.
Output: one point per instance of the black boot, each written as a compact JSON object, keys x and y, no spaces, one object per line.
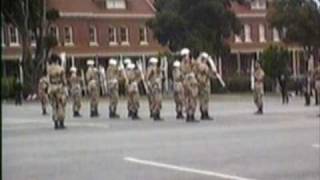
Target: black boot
{"x":135,"y":116}
{"x":206,"y":116}
{"x":192,"y":119}
{"x":129,"y":113}
{"x":44,"y":111}
{"x":76,"y":114}
{"x":61,"y":125}
{"x":156,"y":117}
{"x":203,"y":115}
{"x":151,"y":114}
{"x":56,"y":125}
{"x":92,"y":113}
{"x":188,"y":118}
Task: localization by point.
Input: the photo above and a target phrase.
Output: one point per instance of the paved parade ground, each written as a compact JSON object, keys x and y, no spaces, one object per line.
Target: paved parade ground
{"x":283,"y":144}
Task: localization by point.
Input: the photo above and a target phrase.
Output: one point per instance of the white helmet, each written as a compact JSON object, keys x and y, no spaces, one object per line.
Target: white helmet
{"x":176,"y":64}
{"x":153,"y":60}
{"x":95,"y":69}
{"x":73,"y":69}
{"x":127,"y":61}
{"x":131,"y":66}
{"x":204,"y":55}
{"x":112,"y":62}
{"x":90,"y":62}
{"x":185,"y":51}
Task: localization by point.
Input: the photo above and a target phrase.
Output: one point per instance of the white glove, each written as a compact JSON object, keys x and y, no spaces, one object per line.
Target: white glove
{"x":213,"y":65}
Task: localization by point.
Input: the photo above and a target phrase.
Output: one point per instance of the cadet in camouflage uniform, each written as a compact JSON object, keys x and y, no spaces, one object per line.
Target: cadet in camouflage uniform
{"x":75,"y":92}
{"x":114,"y":75}
{"x":203,"y":75}
{"x":93,"y":89}
{"x":154,"y":81}
{"x":316,"y":78}
{"x":258,"y":88}
{"x":134,"y":77}
{"x":57,"y":83}
{"x":43,"y":93}
{"x":178,"y":91}
{"x":190,"y":84}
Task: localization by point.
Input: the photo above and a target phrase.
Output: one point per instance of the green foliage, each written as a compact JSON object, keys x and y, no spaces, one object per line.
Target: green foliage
{"x":297,"y":20}
{"x":275,"y":61}
{"x":238,"y":83}
{"x":201,"y":25}
{"x":7,"y":87}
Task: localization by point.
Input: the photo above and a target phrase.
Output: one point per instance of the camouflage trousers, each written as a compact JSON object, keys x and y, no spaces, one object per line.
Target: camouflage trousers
{"x":190,"y":103}
{"x":155,"y":100}
{"x":133,"y":98}
{"x":258,"y":97}
{"x":58,"y":102}
{"x":76,"y":98}
{"x":94,"y":100}
{"x":44,"y":99}
{"x":114,"y":97}
{"x":204,"y":96}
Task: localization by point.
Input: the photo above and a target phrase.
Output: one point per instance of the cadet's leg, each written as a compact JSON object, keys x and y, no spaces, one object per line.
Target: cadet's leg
{"x":54,"y":104}
{"x":135,"y":106}
{"x":157,"y":106}
{"x":61,"y":108}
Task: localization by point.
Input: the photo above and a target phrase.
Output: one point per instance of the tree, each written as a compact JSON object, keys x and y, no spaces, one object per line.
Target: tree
{"x":31,"y":18}
{"x":298,"y":22}
{"x":202,"y":25}
{"x":275,"y":61}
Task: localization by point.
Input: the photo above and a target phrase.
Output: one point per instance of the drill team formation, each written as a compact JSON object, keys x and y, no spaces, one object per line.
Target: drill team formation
{"x":191,"y":85}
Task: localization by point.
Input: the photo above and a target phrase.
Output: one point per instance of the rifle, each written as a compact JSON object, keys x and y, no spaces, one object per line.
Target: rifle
{"x":84,"y":86}
{"x":139,"y":65}
{"x":214,"y":69}
{"x":252,"y":75}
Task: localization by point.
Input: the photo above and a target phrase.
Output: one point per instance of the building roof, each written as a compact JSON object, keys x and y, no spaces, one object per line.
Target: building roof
{"x":98,"y":7}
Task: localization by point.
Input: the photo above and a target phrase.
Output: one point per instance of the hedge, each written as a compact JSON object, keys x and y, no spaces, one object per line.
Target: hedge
{"x":7,"y":87}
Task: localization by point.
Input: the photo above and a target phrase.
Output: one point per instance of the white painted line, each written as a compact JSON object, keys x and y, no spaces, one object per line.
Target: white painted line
{"x":184,"y":169}
{"x":316,"y":145}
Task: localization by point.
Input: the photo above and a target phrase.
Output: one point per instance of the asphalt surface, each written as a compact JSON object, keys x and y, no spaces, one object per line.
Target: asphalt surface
{"x":283,"y":144}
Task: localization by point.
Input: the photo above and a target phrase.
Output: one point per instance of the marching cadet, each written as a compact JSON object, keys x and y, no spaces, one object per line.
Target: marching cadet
{"x":178,"y":91}
{"x":93,"y":89}
{"x":43,"y":93}
{"x":134,"y":77}
{"x":75,"y":91}
{"x":203,"y":74}
{"x":57,"y":83}
{"x":114,"y":74}
{"x":258,"y":88}
{"x":154,"y":81}
{"x":190,"y":84}
{"x":316,"y":78}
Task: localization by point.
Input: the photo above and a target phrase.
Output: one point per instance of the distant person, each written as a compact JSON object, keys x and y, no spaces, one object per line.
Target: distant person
{"x":43,"y":92}
{"x":316,"y":78}
{"x":18,"y":90}
{"x":307,"y":89}
{"x":283,"y":81}
{"x":258,"y":88}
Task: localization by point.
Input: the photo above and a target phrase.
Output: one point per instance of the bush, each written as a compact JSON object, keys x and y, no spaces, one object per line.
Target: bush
{"x":7,"y":87}
{"x":238,"y":84}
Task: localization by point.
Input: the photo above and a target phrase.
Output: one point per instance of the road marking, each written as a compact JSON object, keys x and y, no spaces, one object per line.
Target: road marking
{"x":184,"y":169}
{"x":316,"y":145}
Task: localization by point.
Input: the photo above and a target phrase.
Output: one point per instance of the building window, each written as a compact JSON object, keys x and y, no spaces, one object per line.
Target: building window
{"x":143,"y":35}
{"x":262,"y":33}
{"x":247,"y":33}
{"x":2,"y":37}
{"x":68,"y":39}
{"x":275,"y":33}
{"x":116,"y":4}
{"x":32,"y":38}
{"x":13,"y":36}
{"x":237,"y":39}
{"x":112,"y":32}
{"x":259,"y":4}
{"x":124,"y":36}
{"x":54,"y":30}
{"x":93,"y":36}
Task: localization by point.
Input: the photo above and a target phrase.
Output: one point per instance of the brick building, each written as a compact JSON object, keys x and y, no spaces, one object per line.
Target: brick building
{"x":100,"y":29}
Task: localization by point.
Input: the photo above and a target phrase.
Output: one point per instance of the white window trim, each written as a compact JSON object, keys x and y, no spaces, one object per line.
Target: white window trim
{"x":14,"y":44}
{"x":95,"y":41}
{"x":71,"y":37}
{"x":145,"y":32}
{"x":3,"y":44}
{"x":259,"y":5}
{"x":125,"y":43}
{"x":262,"y":31}
{"x":114,"y":30}
{"x":237,"y":39}
{"x":247,"y":33}
{"x":275,"y":35}
{"x":113,"y":5}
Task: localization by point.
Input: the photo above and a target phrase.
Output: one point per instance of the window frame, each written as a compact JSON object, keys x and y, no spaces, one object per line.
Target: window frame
{"x":112,"y":4}
{"x":145,"y":36}
{"x":275,"y":35}
{"x":70,"y":43}
{"x":95,"y":38}
{"x":17,"y":43}
{"x":114,"y":42}
{"x":262,"y":31}
{"x":247,"y":33}
{"x":124,"y":43}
